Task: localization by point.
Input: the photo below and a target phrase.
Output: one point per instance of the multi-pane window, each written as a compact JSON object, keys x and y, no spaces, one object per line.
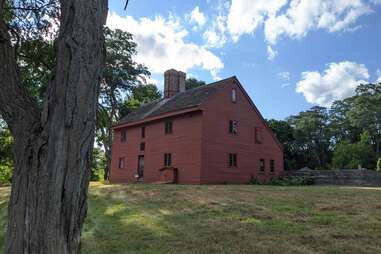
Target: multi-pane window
{"x":121,"y":163}
{"x":123,"y":136}
{"x":167,"y":159}
{"x":272,"y":165}
{"x":262,"y":165}
{"x":232,"y":160}
{"x":234,"y":96}
{"x":233,"y":127}
{"x":258,"y":135}
{"x":168,"y":127}
{"x":143,"y":132}
{"x":142,"y":146}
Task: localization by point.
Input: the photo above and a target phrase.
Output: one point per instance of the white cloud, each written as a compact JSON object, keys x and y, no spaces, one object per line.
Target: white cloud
{"x":378,"y":73}
{"x":246,"y":15}
{"x":197,"y":17}
{"x":303,"y":16}
{"x":337,"y":82}
{"x":215,"y":35}
{"x":284,"y":75}
{"x":294,"y":18}
{"x":161,"y":45}
{"x":271,"y":53}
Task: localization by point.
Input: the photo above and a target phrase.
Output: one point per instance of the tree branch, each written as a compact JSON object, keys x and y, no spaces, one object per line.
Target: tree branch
{"x":18,"y":109}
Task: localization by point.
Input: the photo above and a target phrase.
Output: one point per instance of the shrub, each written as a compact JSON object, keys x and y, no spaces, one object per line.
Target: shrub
{"x":284,"y":181}
{"x":379,"y":165}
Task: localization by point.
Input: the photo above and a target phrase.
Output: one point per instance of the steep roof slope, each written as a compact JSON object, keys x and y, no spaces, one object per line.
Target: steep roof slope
{"x":187,"y":99}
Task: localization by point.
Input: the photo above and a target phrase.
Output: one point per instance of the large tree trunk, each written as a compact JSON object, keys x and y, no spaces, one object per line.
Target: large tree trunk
{"x":53,"y":148}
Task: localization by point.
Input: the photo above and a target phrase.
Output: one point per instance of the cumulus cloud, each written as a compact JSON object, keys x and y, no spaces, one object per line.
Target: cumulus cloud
{"x":246,"y":15}
{"x":294,"y":18}
{"x":378,"y":73}
{"x":337,"y":82}
{"x":197,"y":17}
{"x":271,"y":53}
{"x":215,"y":35}
{"x":161,"y":44}
{"x":304,"y":16}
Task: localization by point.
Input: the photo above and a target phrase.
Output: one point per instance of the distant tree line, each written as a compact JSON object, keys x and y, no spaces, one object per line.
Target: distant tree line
{"x":346,"y":135}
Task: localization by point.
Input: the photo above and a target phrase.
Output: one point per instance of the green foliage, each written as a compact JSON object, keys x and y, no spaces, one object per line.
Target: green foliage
{"x":6,"y":169}
{"x":36,"y":59}
{"x":350,"y":156}
{"x":140,"y":95}
{"x":285,"y":134}
{"x":193,"y":83}
{"x":379,"y":165}
{"x":98,"y":165}
{"x":284,"y":181}
{"x":312,"y":137}
{"x":6,"y":158}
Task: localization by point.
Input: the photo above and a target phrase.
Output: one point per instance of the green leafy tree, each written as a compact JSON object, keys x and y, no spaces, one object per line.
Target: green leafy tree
{"x":98,"y":165}
{"x":354,"y":155}
{"x":120,"y":75}
{"x":285,"y":134}
{"x":193,"y":83}
{"x":365,"y":112}
{"x":342,"y":129}
{"x":53,"y":137}
{"x":139,"y":95}
{"x":312,"y":137}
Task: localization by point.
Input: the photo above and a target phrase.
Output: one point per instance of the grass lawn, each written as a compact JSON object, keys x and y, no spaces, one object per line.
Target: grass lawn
{"x":228,"y":219}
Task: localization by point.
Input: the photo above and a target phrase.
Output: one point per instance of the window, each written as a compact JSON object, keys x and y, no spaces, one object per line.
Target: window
{"x":258,"y":135}
{"x":262,"y":165}
{"x":233,"y":127}
{"x":234,"y":96}
{"x":121,"y":163}
{"x":232,"y":160}
{"x":167,"y":159}
{"x":143,"y":134}
{"x":123,"y":136}
{"x":168,"y":127}
{"x":272,"y":165}
{"x":142,"y":146}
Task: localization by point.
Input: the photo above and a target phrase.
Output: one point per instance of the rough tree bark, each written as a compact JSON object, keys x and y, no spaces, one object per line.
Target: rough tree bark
{"x":52,"y":149}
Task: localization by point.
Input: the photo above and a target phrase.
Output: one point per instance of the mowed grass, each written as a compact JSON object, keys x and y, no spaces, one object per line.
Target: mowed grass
{"x":144,"y":218}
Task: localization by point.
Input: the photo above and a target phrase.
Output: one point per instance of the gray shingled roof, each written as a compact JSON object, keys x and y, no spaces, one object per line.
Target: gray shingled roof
{"x":183,"y":100}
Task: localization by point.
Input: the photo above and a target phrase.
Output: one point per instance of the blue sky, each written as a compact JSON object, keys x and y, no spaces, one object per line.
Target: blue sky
{"x":288,"y":54}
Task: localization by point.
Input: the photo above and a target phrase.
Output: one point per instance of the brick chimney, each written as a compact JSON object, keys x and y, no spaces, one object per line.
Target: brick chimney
{"x":174,"y":82}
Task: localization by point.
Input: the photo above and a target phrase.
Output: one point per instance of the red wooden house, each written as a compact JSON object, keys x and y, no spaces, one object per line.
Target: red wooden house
{"x":210,"y":134}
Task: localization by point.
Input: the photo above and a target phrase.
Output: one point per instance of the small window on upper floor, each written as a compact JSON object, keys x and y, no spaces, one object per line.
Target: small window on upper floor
{"x":142,"y":146}
{"x":121,"y":163}
{"x":233,"y":127}
{"x":262,"y":165}
{"x":143,"y":132}
{"x":123,"y":136}
{"x":234,"y":96}
{"x":258,"y":135}
{"x":168,"y":127}
{"x":232,"y":160}
{"x":272,"y":166}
